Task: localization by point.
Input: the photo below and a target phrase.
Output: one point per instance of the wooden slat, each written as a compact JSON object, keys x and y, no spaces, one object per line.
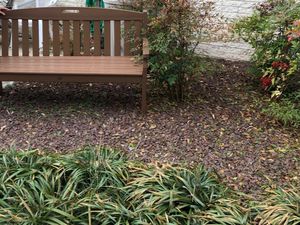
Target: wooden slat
{"x":117,"y":38}
{"x":46,"y":38}
{"x":137,"y":38}
{"x":72,"y":65}
{"x":15,"y":38}
{"x":84,"y":78}
{"x":4,"y":37}
{"x":25,"y":38}
{"x":35,"y":37}
{"x":78,"y":13}
{"x":97,"y":38}
{"x":76,"y":38}
{"x":86,"y":38}
{"x":66,"y":37}
{"x":127,"y":38}
{"x":107,"y":44}
{"x":56,"y":39}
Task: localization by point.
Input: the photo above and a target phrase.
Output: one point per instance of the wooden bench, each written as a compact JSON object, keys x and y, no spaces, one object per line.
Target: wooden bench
{"x":71,"y":51}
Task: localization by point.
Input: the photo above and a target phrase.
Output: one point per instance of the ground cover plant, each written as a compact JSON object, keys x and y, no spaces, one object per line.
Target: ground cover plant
{"x":286,"y":111}
{"x":280,"y":207}
{"x":100,"y":186}
{"x":103,"y":187}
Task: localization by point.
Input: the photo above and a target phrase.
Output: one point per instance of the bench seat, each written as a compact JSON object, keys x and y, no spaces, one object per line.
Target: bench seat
{"x":21,"y":67}
{"x":71,"y":69}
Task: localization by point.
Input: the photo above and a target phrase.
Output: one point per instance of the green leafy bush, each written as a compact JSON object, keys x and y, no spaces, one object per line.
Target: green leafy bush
{"x":174,"y":31}
{"x":274,"y":33}
{"x":102,"y":187}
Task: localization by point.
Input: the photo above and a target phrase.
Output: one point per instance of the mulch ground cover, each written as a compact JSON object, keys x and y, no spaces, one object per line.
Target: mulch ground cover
{"x":220,"y":125}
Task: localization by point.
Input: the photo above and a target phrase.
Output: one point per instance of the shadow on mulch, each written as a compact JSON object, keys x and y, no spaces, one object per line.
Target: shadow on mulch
{"x":220,"y":125}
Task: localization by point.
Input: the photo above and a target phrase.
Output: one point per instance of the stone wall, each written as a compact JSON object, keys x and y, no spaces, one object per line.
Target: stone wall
{"x":231,"y":10}
{"x":3,"y":2}
{"x":70,"y":3}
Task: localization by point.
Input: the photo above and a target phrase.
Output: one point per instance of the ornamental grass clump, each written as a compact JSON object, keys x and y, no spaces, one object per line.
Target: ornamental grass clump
{"x":103,"y":187}
{"x":280,"y":207}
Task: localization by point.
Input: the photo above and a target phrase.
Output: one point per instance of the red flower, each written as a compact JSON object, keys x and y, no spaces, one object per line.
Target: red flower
{"x":275,"y":64}
{"x":284,"y":66}
{"x":266,"y":82}
{"x":290,"y":38}
{"x":280,"y":65}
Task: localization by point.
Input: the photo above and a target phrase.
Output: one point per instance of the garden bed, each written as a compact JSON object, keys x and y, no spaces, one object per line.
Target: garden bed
{"x":220,"y":125}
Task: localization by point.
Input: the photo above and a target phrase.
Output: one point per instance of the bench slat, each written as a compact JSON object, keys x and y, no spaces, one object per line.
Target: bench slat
{"x":66,"y":37}
{"x":97,"y":38}
{"x":107,"y":45}
{"x":86,"y":38}
{"x":56,"y":41}
{"x":35,"y":37}
{"x":127,"y":38}
{"x":84,"y":78}
{"x":15,"y":38}
{"x":117,"y":38}
{"x":76,"y":38}
{"x":46,"y":38}
{"x":73,"y":13}
{"x":137,"y":37}
{"x":4,"y":37}
{"x":25,"y":38}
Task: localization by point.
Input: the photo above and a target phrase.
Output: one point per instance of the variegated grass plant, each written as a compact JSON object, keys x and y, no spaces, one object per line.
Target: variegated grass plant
{"x":102,"y":187}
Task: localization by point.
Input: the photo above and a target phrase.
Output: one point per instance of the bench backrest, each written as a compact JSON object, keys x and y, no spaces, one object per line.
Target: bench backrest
{"x":72,"y":31}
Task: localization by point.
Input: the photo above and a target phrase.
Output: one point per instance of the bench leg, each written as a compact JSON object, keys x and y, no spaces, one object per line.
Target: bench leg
{"x":1,"y":88}
{"x":144,"y":95}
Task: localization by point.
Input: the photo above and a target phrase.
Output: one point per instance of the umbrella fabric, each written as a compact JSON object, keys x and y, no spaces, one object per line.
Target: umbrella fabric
{"x":93,"y":3}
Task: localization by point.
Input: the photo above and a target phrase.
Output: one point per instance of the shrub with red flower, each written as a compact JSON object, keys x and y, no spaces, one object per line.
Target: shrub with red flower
{"x":276,"y":40}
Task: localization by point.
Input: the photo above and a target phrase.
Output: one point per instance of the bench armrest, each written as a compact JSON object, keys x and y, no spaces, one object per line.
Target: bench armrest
{"x":146,"y":50}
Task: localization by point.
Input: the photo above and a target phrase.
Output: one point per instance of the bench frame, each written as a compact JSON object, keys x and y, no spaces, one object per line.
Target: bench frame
{"x":132,"y":22}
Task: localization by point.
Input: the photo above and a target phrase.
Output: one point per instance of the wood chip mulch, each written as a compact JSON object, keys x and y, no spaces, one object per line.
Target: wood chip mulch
{"x":220,"y":124}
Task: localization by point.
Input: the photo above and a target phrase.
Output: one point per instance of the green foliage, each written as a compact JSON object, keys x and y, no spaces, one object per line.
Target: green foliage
{"x":287,"y":110}
{"x":102,"y":187}
{"x":174,"y":31}
{"x":281,"y":207}
{"x":274,"y":32}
